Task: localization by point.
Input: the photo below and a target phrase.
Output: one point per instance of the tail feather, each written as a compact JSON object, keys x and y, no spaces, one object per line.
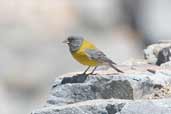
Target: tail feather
{"x":115,"y":68}
{"x":114,"y":63}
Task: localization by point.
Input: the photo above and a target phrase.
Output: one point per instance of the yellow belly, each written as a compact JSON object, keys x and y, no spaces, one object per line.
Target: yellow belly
{"x":81,"y":56}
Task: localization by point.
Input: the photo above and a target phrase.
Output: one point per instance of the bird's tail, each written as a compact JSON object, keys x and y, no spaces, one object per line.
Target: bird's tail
{"x":115,"y":68}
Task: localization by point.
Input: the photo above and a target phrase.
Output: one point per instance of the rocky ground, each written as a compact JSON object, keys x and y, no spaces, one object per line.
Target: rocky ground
{"x":143,"y":88}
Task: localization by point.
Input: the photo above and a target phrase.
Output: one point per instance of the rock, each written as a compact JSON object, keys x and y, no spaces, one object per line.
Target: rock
{"x":137,"y":91}
{"x":164,"y":56}
{"x":111,"y":106}
{"x":166,"y":65}
{"x":156,"y":53}
{"x":120,"y":86}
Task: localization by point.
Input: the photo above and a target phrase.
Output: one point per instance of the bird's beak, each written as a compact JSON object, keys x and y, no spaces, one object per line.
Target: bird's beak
{"x":66,"y":42}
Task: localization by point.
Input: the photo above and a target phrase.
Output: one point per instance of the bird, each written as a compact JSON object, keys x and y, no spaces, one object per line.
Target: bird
{"x":87,"y":54}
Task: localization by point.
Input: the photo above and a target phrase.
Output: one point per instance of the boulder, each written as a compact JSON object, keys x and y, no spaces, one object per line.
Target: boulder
{"x":142,"y":89}
{"x":106,"y":86}
{"x":158,"y":53}
{"x":111,"y":106}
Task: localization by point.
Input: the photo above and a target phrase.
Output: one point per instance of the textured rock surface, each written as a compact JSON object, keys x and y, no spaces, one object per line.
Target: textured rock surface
{"x":158,"y":53}
{"x":121,"y":86}
{"x":111,"y":106}
{"x":102,"y":93}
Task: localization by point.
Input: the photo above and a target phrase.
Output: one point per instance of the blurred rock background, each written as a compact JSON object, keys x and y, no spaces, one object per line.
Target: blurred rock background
{"x":31,"y":32}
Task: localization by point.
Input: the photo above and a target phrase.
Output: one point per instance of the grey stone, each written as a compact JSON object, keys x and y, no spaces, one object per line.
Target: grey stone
{"x":164,"y":56}
{"x":112,"y":109}
{"x":147,"y":107}
{"x":151,"y":53}
{"x":136,"y":91}
{"x":111,"y":106}
{"x":166,"y":65}
{"x":121,"y":86}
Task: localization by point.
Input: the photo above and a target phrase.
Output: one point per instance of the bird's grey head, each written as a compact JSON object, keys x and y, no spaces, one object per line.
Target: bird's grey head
{"x":74,"y":42}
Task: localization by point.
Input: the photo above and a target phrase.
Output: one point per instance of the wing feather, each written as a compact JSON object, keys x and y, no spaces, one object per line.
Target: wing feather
{"x":95,"y":54}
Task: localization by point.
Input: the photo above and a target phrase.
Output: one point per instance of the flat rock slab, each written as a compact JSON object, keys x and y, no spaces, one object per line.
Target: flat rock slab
{"x":135,"y":85}
{"x":111,"y":106}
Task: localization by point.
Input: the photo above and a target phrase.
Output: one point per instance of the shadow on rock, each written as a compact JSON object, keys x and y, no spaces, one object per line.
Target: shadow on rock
{"x":80,"y":78}
{"x":112,"y":109}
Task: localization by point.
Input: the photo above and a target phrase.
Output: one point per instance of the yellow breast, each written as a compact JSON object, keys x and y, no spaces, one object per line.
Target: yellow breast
{"x":82,"y":57}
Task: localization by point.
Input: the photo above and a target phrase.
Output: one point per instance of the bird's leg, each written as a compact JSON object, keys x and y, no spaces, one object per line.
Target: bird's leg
{"x":86,"y":70}
{"x":93,"y":70}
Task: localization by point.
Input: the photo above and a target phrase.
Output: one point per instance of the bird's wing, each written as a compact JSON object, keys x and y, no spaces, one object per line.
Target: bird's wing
{"x":98,"y":55}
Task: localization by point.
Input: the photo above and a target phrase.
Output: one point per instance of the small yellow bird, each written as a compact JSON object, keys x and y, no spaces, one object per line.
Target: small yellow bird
{"x":87,"y":54}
